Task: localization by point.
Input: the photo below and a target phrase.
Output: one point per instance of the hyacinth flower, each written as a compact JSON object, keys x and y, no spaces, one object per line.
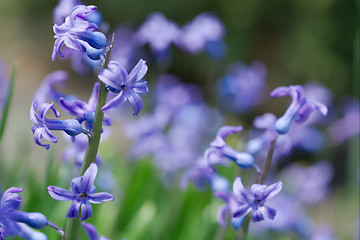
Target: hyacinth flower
{"x":79,"y":34}
{"x":63,"y":9}
{"x":92,"y":232}
{"x":254,"y":200}
{"x":158,"y":32}
{"x":126,"y":85}
{"x":299,"y":109}
{"x":15,"y":222}
{"x":83,"y":192}
{"x":204,"y":32}
{"x":227,"y":209}
{"x":219,"y":149}
{"x":243,"y":87}
{"x":41,"y":128}
{"x":84,"y":112}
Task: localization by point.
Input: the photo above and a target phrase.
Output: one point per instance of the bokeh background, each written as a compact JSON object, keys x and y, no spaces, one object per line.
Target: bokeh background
{"x":298,"y":41}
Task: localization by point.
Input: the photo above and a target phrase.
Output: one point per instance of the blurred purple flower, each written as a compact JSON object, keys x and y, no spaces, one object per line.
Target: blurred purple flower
{"x":84,"y":112}
{"x":309,"y":184}
{"x":324,"y":232}
{"x":158,"y":32}
{"x":83,"y":193}
{"x":79,"y":34}
{"x":15,"y":222}
{"x":243,"y":87}
{"x":127,"y":85}
{"x":41,"y":128}
{"x":348,"y":126}
{"x":299,"y":109}
{"x":254,"y":200}
{"x":204,"y":32}
{"x":219,"y":149}
{"x":228,"y":208}
{"x":92,"y":232}
{"x":47,"y":90}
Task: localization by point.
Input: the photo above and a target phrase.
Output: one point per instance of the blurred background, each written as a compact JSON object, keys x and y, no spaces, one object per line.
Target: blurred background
{"x":298,"y":42}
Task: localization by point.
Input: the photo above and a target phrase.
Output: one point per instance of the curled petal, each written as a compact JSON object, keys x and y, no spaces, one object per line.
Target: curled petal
{"x":73,"y":211}
{"x":119,"y":99}
{"x":89,"y":178}
{"x":138,"y":72}
{"x":257,"y":216}
{"x":61,"y":194}
{"x":136,"y":103}
{"x":91,"y":231}
{"x":223,"y":133}
{"x":272,"y":190}
{"x":240,"y":191}
{"x":268,"y":211}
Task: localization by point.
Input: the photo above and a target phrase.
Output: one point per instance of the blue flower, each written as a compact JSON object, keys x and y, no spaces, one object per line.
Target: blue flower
{"x":219,"y":149}
{"x":92,"y":232}
{"x":83,"y":193}
{"x":15,"y":222}
{"x":254,"y":200}
{"x":79,"y":34}
{"x":84,"y":111}
{"x":41,"y":128}
{"x":228,"y":208}
{"x":128,"y":86}
{"x":299,"y":109}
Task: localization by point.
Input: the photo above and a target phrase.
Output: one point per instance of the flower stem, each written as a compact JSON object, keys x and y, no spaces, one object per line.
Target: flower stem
{"x":73,"y":225}
{"x":242,"y":234}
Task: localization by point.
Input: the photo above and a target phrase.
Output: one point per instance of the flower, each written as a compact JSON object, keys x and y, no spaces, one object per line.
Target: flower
{"x":79,"y":34}
{"x":205,"y":30}
{"x":158,"y":32}
{"x":243,"y":87}
{"x":63,"y":9}
{"x":230,"y":203}
{"x":41,"y":128}
{"x":126,"y":85}
{"x":83,"y":193}
{"x":299,"y":109}
{"x":92,"y":232}
{"x":219,"y":149}
{"x":15,"y":222}
{"x":254,"y":200}
{"x":84,"y":111}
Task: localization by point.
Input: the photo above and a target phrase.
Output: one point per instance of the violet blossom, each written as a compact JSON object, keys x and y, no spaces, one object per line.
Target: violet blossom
{"x":204,"y":32}
{"x":83,"y":192}
{"x":299,"y":109}
{"x":15,"y":222}
{"x":63,"y":9}
{"x":84,"y":112}
{"x":126,"y":85}
{"x":243,"y":87}
{"x":228,"y":209}
{"x":254,"y":200}
{"x":158,"y":32}
{"x":79,"y":34}
{"x":41,"y":128}
{"x":219,"y":149}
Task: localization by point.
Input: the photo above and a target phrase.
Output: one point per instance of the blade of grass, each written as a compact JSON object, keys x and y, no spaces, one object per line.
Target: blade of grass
{"x":8,"y":100}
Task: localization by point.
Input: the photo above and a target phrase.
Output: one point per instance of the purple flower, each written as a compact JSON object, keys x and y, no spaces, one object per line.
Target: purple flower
{"x":299,"y":109}
{"x":83,"y":193}
{"x":204,"y":29}
{"x":128,"y":86}
{"x":254,"y":200}
{"x":41,"y":128}
{"x":92,"y":232}
{"x":84,"y":111}
{"x":348,"y":126}
{"x":12,"y":220}
{"x":219,"y":149}
{"x":158,"y":32}
{"x":243,"y":87}
{"x":79,"y":34}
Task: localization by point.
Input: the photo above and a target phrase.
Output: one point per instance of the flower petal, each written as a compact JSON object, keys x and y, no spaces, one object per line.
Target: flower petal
{"x":88,"y":178}
{"x":138,"y":72}
{"x":61,"y":194}
{"x":100,"y":197}
{"x":73,"y":211}
{"x":86,"y":210}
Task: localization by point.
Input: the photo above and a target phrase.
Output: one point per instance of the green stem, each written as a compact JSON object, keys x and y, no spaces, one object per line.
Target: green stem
{"x":242,"y":234}
{"x":73,"y":225}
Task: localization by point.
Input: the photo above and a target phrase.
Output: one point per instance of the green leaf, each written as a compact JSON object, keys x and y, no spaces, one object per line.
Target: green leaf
{"x":8,"y":100}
